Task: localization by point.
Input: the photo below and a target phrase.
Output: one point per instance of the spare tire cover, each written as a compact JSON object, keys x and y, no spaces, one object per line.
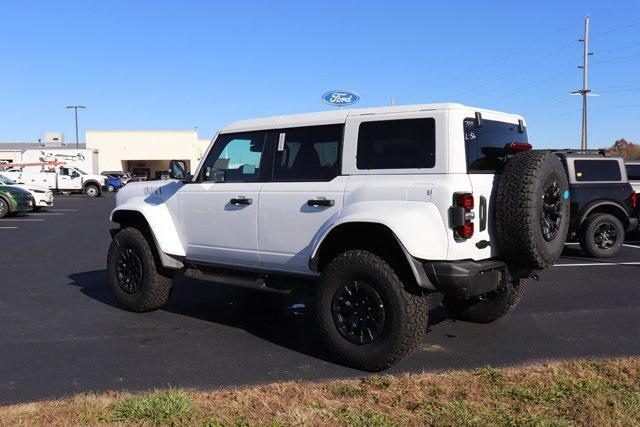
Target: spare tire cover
{"x":532,"y":210}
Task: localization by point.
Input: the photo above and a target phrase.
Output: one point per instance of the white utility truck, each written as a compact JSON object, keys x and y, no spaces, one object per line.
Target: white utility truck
{"x":85,"y":159}
{"x":374,"y":209}
{"x":56,"y":176}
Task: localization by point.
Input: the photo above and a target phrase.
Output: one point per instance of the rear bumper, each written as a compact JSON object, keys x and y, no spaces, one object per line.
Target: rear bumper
{"x":466,"y":279}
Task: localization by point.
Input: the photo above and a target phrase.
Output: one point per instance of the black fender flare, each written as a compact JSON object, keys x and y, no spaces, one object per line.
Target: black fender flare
{"x":590,"y":207}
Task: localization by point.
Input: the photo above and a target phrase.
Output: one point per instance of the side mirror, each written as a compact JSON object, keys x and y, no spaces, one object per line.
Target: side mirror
{"x":178,"y":169}
{"x":74,"y":174}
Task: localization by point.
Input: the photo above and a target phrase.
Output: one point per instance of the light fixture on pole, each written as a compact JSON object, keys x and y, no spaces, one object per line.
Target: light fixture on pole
{"x":75,"y":108}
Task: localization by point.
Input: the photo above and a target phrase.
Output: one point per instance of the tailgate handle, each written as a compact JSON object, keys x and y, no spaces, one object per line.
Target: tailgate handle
{"x":483,"y":213}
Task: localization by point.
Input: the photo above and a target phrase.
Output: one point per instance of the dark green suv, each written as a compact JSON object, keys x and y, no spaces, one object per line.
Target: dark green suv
{"x":14,"y":200}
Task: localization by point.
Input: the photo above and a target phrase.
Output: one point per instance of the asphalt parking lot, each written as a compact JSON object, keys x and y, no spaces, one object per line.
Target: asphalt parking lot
{"x":61,"y":331}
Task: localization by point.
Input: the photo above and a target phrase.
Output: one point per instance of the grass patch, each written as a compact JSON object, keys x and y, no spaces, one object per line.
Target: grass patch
{"x":591,"y":393}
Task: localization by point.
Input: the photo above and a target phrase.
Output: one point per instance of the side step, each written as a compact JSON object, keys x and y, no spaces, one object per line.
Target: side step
{"x":250,"y":280}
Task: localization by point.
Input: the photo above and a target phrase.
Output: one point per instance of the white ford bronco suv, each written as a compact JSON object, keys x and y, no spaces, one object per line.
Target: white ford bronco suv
{"x":379,"y":207}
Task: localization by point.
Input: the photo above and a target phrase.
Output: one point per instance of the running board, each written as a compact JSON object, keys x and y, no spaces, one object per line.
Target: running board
{"x":232,"y":278}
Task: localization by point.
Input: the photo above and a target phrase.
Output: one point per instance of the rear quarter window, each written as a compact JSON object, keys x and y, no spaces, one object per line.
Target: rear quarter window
{"x":397,"y":144}
{"x":597,"y":170}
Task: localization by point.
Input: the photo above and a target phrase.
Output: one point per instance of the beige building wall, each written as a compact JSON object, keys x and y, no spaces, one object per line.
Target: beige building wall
{"x":125,"y":150}
{"x":11,"y":156}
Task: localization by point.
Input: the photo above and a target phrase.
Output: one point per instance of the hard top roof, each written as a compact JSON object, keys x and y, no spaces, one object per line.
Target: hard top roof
{"x":340,"y":116}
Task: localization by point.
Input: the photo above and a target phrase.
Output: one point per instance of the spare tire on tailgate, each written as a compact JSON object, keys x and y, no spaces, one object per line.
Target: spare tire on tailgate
{"x":532,"y":210}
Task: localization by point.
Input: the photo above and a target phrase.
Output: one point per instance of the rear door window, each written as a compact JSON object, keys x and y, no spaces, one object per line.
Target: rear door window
{"x":597,"y":170}
{"x":308,"y":153}
{"x":633,"y":172}
{"x":397,"y":144}
{"x":486,"y":144}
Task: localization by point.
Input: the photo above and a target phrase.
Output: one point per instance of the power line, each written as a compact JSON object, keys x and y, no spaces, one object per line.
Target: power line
{"x":615,"y":30}
{"x":621,"y":58}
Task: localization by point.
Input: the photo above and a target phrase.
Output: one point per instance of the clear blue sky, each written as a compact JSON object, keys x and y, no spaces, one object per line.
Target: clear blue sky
{"x":180,"y":64}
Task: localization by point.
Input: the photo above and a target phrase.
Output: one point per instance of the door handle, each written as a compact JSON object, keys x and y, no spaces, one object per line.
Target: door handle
{"x":240,"y":201}
{"x":320,"y":202}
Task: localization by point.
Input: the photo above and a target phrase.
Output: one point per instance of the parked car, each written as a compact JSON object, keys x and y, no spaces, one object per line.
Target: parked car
{"x":124,"y":177}
{"x":14,"y":200}
{"x":113,"y":183}
{"x":633,"y":174}
{"x":42,"y":197}
{"x":376,"y":207}
{"x":604,"y":206}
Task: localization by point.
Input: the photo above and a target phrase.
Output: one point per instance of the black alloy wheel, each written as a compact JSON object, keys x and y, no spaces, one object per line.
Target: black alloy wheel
{"x":129,"y":270}
{"x":358,"y":312}
{"x":605,"y":235}
{"x":551,"y":214}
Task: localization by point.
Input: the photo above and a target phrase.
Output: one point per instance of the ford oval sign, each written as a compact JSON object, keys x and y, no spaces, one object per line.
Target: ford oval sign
{"x":340,"y":98}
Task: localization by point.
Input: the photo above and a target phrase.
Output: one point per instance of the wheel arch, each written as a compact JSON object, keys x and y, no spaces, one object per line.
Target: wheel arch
{"x":608,"y":207}
{"x":367,"y":235}
{"x":132,"y":218}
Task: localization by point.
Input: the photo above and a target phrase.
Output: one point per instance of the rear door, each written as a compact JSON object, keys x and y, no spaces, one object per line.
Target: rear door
{"x":485,"y":144}
{"x":305,"y":193}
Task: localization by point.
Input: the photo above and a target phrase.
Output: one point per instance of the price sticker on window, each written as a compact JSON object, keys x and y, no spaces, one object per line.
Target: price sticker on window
{"x":281,"y":142}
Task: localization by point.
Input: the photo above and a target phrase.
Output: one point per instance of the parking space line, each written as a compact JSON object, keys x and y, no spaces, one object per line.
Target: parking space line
{"x":631,"y":246}
{"x":21,"y":220}
{"x":8,"y":228}
{"x":45,"y":214}
{"x":590,"y":264}
{"x":62,"y":210}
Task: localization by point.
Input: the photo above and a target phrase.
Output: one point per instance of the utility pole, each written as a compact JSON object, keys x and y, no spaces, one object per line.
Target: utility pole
{"x":75,"y":107}
{"x":585,"y":91}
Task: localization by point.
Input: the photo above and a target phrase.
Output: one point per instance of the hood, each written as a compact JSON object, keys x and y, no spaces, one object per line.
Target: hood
{"x":16,"y":191}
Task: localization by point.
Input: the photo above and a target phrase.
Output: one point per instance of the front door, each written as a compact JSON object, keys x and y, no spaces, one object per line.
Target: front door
{"x":69,"y":179}
{"x":219,"y":210}
{"x":305,"y":194}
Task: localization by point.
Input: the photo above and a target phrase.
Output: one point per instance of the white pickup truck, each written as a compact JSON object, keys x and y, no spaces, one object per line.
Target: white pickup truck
{"x":61,"y":178}
{"x":378,"y":207}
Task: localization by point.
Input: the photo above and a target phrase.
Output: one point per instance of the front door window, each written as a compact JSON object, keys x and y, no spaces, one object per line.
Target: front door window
{"x":234,"y":158}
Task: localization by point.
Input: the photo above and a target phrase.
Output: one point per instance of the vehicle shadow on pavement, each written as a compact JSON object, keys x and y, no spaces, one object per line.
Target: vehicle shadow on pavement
{"x":281,"y":318}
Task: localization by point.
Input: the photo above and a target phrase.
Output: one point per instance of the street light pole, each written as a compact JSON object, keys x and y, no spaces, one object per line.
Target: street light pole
{"x":75,"y":108}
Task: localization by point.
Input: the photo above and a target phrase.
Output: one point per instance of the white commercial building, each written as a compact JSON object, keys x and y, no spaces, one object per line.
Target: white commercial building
{"x":145,"y":152}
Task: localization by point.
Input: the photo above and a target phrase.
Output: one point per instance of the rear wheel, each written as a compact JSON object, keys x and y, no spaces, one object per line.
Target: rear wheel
{"x":137,"y":282}
{"x":367,"y":318}
{"x":601,"y":235}
{"x":5,"y":210}
{"x":489,"y":307}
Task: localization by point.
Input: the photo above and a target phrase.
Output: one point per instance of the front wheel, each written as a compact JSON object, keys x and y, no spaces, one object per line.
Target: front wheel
{"x":368,"y":319}
{"x":137,"y":282}
{"x":92,"y":190}
{"x":602,"y":235}
{"x":489,"y":307}
{"x":5,"y":210}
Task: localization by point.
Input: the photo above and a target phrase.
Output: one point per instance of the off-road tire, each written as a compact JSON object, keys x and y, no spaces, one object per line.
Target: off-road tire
{"x":405,"y":310}
{"x":5,"y":208}
{"x":519,"y":210}
{"x":487,"y":308}
{"x":92,"y":190}
{"x":587,"y":235}
{"x":155,"y":285}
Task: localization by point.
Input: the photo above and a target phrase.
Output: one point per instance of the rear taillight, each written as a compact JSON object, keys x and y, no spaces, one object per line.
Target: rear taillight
{"x":465,"y":231}
{"x":634,"y":199}
{"x":462,"y":215}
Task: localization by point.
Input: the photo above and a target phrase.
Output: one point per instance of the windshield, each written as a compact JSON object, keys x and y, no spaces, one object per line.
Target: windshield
{"x":7,"y":181}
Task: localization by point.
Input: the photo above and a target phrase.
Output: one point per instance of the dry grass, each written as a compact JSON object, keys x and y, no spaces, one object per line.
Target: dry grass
{"x":593,"y":393}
